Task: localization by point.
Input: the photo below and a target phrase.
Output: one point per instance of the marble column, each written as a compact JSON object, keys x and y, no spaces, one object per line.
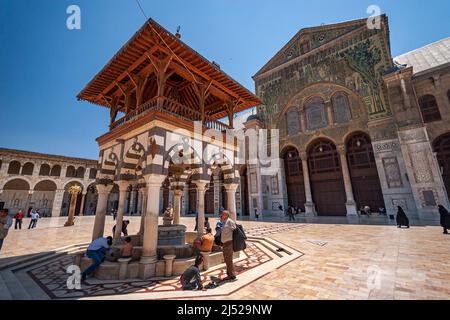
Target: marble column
{"x":74,"y":191}
{"x":302,"y":121}
{"x":350,"y":204}
{"x":143,"y":210}
{"x":330,"y":117}
{"x":201,"y":190}
{"x":147,"y":264}
{"x":231,"y":199}
{"x":310,"y":209}
{"x":132,"y":200}
{"x":83,"y":200}
{"x":100,"y":213}
{"x":177,"y":206}
{"x":123,"y":189}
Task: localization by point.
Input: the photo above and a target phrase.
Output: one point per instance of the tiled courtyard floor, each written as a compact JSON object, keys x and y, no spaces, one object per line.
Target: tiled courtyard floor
{"x":340,"y":261}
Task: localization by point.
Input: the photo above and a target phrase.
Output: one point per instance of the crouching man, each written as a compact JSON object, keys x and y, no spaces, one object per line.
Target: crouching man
{"x":190,"y":279}
{"x":97,"y":251}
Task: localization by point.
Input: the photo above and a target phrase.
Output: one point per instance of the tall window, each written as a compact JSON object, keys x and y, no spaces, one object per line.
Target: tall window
{"x":292,"y":121}
{"x":341,"y":108}
{"x":429,"y":109}
{"x":14,"y":167}
{"x":315,"y":114}
{"x":27,"y":169}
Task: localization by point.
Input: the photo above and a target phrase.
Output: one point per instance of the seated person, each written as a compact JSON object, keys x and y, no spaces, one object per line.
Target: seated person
{"x":207,"y":241}
{"x":97,"y":251}
{"x":190,"y":279}
{"x":127,"y":249}
{"x":125,"y":224}
{"x":207,"y":225}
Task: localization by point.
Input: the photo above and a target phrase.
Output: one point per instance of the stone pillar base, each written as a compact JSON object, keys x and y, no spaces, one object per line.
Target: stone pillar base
{"x":310,"y":209}
{"x":123,"y":268}
{"x":168,"y":272}
{"x":147,"y":268}
{"x":352,"y":211}
{"x":205,"y":256}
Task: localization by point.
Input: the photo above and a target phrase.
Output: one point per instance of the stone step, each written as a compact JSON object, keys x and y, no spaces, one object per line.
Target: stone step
{"x":14,"y":286}
{"x":271,"y":247}
{"x":4,"y":292}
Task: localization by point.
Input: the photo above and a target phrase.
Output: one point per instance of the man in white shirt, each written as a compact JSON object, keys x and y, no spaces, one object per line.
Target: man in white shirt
{"x":226,"y":238}
{"x":34,"y":218}
{"x":5,"y":224}
{"x":97,"y":251}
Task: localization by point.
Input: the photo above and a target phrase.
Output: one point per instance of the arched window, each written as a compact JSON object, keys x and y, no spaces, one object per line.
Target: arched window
{"x":70,"y":172}
{"x":292,"y":121}
{"x":14,"y":167}
{"x":44,"y":170}
{"x":80,"y":172}
{"x":56,"y":171}
{"x":429,"y":108}
{"x":341,"y":108}
{"x":92,"y":173}
{"x":315,"y":114}
{"x":27,"y":169}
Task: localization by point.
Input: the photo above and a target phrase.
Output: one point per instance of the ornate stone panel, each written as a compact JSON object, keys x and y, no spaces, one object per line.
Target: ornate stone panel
{"x":386,"y":147}
{"x":392,"y":172}
{"x":421,"y":167}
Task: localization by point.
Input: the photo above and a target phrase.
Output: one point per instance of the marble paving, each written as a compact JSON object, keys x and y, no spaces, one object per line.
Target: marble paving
{"x":347,"y":261}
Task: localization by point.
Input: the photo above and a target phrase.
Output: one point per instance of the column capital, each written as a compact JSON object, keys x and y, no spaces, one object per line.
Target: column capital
{"x":178,"y":192}
{"x":303,"y":156}
{"x":104,"y":189}
{"x":201,"y":184}
{"x":231,"y":186}
{"x":154,"y":180}
{"x":342,"y":150}
{"x":123,"y":185}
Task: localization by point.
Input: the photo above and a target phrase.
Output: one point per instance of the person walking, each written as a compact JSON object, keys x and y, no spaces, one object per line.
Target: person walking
{"x":5,"y":225}
{"x":97,"y":251}
{"x":34,"y":218}
{"x":226,"y":238}
{"x":256,"y":214}
{"x":291,"y":214}
{"x":402,"y":219}
{"x":18,"y":220}
{"x":445,"y":218}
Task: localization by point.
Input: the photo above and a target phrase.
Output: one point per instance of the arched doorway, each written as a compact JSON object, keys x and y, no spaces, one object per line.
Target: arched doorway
{"x":209,"y":197}
{"x":66,"y":199}
{"x":43,"y":196}
{"x":15,"y":196}
{"x":113,"y":199}
{"x":192,"y":192}
{"x":442,"y":149}
{"x":90,"y":203}
{"x":294,"y":178}
{"x":363,"y":172}
{"x":326,"y":179}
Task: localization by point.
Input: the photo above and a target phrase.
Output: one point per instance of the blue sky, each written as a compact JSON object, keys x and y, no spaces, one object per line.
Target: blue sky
{"x":43,"y":65}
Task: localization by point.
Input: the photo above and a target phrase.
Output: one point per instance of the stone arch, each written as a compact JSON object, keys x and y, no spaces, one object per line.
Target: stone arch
{"x":4,"y":182}
{"x":66,"y":197}
{"x":45,"y":185}
{"x":44,"y":170}
{"x":71,"y":182}
{"x":80,"y":172}
{"x":71,"y":172}
{"x":221,"y":160}
{"x":351,"y":134}
{"x":27,"y":169}
{"x":329,"y":89}
{"x":182,"y":154}
{"x":56,"y":171}
{"x":314,"y":139}
{"x":108,"y":168}
{"x":16,"y":184}
{"x":14,"y":167}
{"x":131,"y":160}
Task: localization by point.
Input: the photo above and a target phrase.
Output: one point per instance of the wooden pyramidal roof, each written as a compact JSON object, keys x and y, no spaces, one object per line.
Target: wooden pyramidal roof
{"x":188,"y":67}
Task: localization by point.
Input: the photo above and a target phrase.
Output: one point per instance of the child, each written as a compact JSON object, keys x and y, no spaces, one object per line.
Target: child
{"x":127,"y":250}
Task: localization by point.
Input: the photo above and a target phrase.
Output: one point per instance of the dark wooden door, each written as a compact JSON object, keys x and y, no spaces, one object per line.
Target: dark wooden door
{"x":209,"y":199}
{"x":364,"y":174}
{"x":327,"y":185}
{"x":294,"y":179}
